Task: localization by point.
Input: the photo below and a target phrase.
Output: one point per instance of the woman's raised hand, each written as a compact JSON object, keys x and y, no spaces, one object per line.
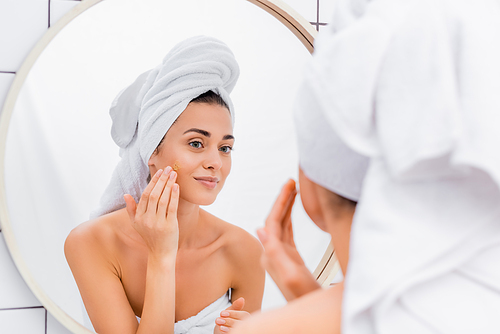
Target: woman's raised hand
{"x":155,"y":217}
{"x":230,"y":316}
{"x":281,"y":258}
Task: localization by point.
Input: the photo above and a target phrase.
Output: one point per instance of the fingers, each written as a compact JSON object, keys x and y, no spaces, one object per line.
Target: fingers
{"x":273,"y":249}
{"x":229,"y":318}
{"x":155,"y":194}
{"x":280,"y":208}
{"x":274,"y":254}
{"x":130,"y":205}
{"x":165,"y":194}
{"x":174,"y":202}
{"x":237,"y":305}
{"x":263,"y":237}
{"x":234,"y":314}
{"x":286,"y":225}
{"x":143,"y":201}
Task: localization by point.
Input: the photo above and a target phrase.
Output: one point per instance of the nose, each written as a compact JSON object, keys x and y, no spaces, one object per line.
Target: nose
{"x":213,"y":160}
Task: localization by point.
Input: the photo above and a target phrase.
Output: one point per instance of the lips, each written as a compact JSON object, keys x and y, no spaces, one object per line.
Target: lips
{"x":208,"y":181}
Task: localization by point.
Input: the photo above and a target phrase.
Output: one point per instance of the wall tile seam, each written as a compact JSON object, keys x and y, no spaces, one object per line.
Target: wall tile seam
{"x":318,"y":24}
{"x":317,"y":13}
{"x":21,"y":308}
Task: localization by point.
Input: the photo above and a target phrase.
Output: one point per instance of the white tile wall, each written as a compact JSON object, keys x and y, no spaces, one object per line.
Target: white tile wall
{"x":307,"y":8}
{"x":22,"y":23}
{"x":23,"y":321}
{"x":54,"y":327}
{"x":326,"y":10}
{"x":14,"y":293}
{"x":60,"y":7}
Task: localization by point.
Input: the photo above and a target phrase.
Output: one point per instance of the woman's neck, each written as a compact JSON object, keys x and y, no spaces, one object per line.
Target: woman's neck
{"x":188,"y":217}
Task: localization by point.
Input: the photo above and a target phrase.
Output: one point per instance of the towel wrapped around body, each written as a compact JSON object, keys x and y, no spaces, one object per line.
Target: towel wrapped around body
{"x":143,"y":112}
{"x":204,"y":321}
{"x":414,"y":85}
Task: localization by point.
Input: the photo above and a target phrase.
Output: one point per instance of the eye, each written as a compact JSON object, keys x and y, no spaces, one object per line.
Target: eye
{"x":226,"y":149}
{"x":196,"y":144}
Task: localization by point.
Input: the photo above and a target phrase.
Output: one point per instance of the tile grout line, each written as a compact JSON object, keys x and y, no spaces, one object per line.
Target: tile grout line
{"x":318,"y":24}
{"x":317,"y":14}
{"x":49,"y":14}
{"x":45,"y":321}
{"x":7,"y":72}
{"x":20,"y":308}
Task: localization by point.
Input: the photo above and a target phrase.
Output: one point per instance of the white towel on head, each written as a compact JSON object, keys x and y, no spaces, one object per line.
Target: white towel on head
{"x":323,"y":157}
{"x":143,"y":112}
{"x":415,"y":84}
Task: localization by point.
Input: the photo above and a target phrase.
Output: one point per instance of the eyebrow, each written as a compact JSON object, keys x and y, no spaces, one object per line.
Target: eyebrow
{"x":200,"y":131}
{"x":207,"y":134}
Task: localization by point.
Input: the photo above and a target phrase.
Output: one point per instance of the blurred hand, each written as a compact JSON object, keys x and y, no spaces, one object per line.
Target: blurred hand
{"x":281,"y":258}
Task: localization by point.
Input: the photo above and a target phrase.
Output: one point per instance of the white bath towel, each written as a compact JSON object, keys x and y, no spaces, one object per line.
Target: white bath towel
{"x":143,"y":112}
{"x":204,"y":321}
{"x":323,"y":157}
{"x":415,"y":85}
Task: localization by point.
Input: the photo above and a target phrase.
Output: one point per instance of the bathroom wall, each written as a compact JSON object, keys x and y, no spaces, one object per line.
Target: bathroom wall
{"x":22,"y":24}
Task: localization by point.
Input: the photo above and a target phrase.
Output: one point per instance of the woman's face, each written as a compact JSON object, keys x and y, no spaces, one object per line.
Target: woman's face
{"x":198,"y":146}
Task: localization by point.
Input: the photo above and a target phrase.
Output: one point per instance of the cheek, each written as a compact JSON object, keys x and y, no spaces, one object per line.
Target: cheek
{"x":309,"y":198}
{"x":180,"y":161}
{"x":186,"y":165}
{"x":226,"y":167}
{"x":182,"y":167}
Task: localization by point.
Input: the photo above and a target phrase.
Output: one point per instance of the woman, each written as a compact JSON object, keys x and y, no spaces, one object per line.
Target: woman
{"x":330,"y":177}
{"x":413,"y":85}
{"x":151,"y":252}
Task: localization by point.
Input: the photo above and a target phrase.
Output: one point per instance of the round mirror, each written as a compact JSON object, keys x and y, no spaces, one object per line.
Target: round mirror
{"x":57,"y":153}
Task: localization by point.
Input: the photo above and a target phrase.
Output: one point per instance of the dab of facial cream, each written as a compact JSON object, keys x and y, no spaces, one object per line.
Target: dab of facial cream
{"x":177,"y":165}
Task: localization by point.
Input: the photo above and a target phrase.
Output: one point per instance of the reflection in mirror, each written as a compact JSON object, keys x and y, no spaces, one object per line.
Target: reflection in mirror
{"x":59,"y":153}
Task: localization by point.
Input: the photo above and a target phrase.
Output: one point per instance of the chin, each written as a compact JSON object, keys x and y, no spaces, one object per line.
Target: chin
{"x":206,"y":200}
{"x":200,"y":199}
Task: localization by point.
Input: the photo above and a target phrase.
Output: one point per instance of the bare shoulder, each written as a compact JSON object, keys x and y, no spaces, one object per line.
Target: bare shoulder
{"x":236,"y":242}
{"x":243,"y":252}
{"x":95,"y":236}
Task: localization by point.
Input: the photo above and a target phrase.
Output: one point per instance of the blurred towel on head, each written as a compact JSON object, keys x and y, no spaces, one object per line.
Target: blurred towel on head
{"x":143,"y":112}
{"x":415,"y":86}
{"x":323,"y":157}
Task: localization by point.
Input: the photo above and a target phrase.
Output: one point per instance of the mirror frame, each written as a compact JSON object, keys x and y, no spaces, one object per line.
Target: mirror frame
{"x":328,"y":266}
